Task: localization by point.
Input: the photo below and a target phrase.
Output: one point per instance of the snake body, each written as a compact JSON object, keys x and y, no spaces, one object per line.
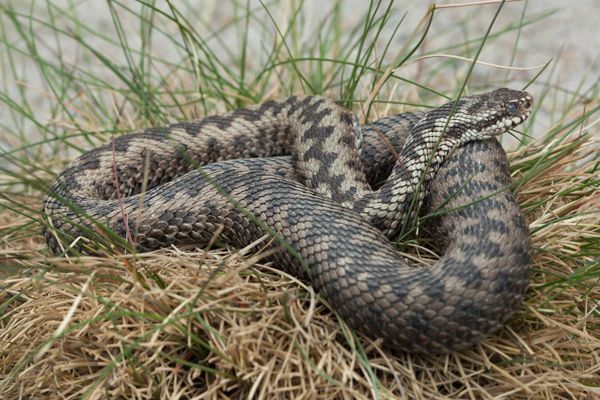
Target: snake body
{"x":291,"y":168}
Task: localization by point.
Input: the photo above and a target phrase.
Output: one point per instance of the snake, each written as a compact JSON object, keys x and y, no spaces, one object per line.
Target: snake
{"x":332,"y":196}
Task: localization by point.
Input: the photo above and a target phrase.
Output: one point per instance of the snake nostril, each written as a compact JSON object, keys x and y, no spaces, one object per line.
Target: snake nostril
{"x":527,"y":104}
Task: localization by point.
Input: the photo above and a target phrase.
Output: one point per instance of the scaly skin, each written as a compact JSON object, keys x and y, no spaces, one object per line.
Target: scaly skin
{"x":318,"y":201}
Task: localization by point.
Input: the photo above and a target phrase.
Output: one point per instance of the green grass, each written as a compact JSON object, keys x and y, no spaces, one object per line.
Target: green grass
{"x":180,"y":323}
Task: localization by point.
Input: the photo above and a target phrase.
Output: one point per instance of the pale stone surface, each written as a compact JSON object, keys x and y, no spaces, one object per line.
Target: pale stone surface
{"x":570,"y":37}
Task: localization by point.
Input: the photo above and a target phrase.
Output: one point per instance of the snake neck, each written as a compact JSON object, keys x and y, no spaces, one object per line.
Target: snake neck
{"x":400,"y":197}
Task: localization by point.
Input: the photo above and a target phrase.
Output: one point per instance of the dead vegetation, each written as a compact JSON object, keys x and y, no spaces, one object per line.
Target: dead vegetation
{"x":216,"y":324}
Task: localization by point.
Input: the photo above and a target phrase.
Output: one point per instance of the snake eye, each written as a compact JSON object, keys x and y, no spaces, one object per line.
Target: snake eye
{"x":511,"y":108}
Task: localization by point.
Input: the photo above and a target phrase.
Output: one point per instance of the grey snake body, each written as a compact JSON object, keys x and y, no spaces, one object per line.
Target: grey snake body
{"x":320,"y":206}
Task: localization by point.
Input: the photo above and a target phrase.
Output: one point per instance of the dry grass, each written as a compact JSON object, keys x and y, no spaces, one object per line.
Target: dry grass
{"x":214,"y":324}
{"x":179,"y":324}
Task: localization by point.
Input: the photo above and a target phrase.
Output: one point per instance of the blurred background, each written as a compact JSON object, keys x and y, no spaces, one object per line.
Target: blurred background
{"x":526,"y":36}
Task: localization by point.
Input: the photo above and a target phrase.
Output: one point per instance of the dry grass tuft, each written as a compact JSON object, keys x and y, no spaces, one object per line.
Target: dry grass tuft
{"x":215,"y":324}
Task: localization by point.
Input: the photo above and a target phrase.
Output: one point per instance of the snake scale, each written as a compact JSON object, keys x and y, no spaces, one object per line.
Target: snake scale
{"x":298,"y":169}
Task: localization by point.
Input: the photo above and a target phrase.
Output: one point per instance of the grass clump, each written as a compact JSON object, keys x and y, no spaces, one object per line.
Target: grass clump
{"x":195,"y":323}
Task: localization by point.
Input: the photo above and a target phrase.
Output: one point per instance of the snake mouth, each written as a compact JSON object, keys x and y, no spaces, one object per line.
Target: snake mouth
{"x":510,"y":121}
{"x":497,"y":125}
{"x":510,"y":118}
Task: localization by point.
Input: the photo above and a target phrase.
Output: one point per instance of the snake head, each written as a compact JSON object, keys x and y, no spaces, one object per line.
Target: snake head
{"x":490,"y":114}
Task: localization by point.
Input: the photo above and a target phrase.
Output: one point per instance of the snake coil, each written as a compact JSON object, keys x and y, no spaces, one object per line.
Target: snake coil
{"x":291,"y":167}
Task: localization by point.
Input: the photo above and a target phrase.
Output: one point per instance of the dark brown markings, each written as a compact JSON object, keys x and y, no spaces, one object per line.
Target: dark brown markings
{"x":338,"y":247}
{"x":318,"y":134}
{"x":347,"y":118}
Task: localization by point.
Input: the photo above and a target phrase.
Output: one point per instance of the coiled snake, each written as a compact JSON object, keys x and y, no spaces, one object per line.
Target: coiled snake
{"x":320,"y":206}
